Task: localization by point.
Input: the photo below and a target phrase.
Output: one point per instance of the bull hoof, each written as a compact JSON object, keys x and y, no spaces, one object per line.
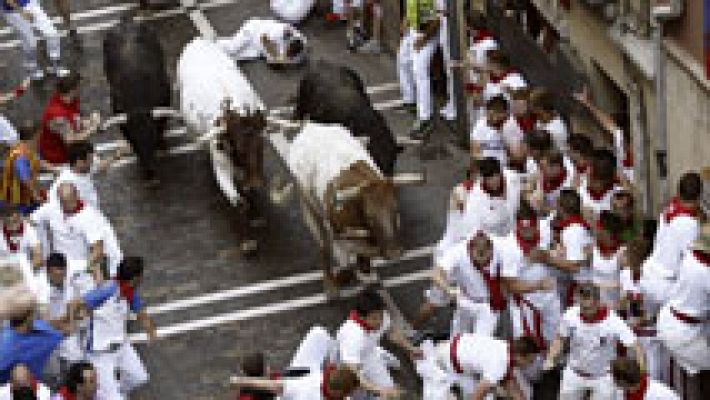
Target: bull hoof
{"x":248,"y":247}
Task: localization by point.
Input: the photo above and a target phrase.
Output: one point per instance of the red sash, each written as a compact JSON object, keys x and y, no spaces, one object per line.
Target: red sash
{"x":537,"y":334}
{"x":454,"y":355}
{"x":676,"y":209}
{"x":495,"y":292}
{"x":640,"y":393}
{"x":326,"y":377}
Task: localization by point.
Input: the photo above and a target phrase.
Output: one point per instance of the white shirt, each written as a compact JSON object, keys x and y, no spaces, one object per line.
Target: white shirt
{"x":490,"y":140}
{"x":691,"y":293}
{"x":574,"y":239}
{"x":605,"y":270}
{"x":593,"y":345}
{"x":246,"y":43}
{"x":516,"y":265}
{"x":456,"y":263}
{"x":659,"y":391}
{"x":673,"y":239}
{"x":307,"y":387}
{"x":25,"y":242}
{"x":356,"y":346}
{"x":484,"y":356}
{"x":84,"y":184}
{"x":558,"y":131}
{"x":596,"y":205}
{"x":493,"y":215}
{"x":108,"y":322}
{"x":73,"y":235}
{"x":43,"y":392}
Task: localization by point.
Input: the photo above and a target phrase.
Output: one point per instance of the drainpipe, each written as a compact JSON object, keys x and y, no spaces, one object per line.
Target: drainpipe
{"x":661,"y":113}
{"x":456,"y":29}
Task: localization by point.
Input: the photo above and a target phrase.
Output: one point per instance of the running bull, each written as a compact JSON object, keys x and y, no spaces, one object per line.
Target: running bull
{"x":345,"y":197}
{"x":334,"y":94}
{"x":135,"y":70}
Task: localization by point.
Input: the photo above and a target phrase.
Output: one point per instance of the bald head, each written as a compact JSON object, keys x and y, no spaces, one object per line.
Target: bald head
{"x":68,"y":197}
{"x":21,"y":376}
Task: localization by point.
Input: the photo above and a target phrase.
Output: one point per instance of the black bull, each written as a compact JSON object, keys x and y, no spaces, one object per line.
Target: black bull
{"x":330,"y":93}
{"x":135,"y":69}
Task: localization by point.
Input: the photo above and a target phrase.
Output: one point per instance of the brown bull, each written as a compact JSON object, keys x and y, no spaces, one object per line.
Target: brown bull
{"x":242,"y":139}
{"x":362,"y":209}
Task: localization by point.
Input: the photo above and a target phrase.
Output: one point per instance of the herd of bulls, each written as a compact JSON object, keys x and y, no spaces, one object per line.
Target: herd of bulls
{"x":218,"y":102}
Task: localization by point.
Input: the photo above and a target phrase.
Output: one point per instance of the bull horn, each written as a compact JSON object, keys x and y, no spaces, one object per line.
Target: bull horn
{"x":405,"y":141}
{"x":409,"y":178}
{"x":114,"y":120}
{"x":364,"y":140}
{"x":342,"y":195}
{"x":354,"y":233}
{"x":166,"y":112}
{"x":211,"y":134}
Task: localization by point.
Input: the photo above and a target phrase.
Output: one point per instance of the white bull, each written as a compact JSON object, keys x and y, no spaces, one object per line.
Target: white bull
{"x":207,"y":77}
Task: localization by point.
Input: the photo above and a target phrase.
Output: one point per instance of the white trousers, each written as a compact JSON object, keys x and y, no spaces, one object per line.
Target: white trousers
{"x":574,"y":386}
{"x":450,"y":107}
{"x":127,"y":363}
{"x":688,"y":344}
{"x":474,"y":317}
{"x":415,"y":73}
{"x":26,"y":30}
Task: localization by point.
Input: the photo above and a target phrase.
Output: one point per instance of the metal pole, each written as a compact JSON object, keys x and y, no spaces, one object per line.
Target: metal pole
{"x":661,"y":113}
{"x":456,"y":25}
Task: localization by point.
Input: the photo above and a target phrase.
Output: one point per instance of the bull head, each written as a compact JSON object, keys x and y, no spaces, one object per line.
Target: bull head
{"x":243,"y":134}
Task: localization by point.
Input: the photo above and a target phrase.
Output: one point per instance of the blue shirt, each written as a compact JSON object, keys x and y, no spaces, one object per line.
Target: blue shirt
{"x":104,"y":292}
{"x":20,"y":3}
{"x":34,"y":347}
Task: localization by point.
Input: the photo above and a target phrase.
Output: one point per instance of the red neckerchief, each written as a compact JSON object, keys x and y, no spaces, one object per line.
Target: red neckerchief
{"x":472,"y":88}
{"x":495,"y":293}
{"x":527,"y":245}
{"x":601,"y":315}
{"x":628,"y":160}
{"x":609,"y":251}
{"x":467,"y":184}
{"x":126,"y":290}
{"x":326,"y":377}
{"x":597,"y":195}
{"x":454,"y":354}
{"x":355,"y":317}
{"x":497,"y":78}
{"x":563,"y":224}
{"x":65,"y":394}
{"x":526,"y":123}
{"x":703,"y":258}
{"x":551,"y":184}
{"x":581,"y":168}
{"x":482,"y":35}
{"x":511,"y":364}
{"x":676,"y":209}
{"x":640,"y":393}
{"x":499,"y":193}
{"x":9,"y":234}
{"x":76,"y":210}
{"x":497,"y":126}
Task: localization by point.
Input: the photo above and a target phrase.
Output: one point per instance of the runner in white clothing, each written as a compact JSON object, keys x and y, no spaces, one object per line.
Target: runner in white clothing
{"x":554,"y":176}
{"x":593,"y":332}
{"x":471,"y":274}
{"x":358,"y":344}
{"x":606,"y":258}
{"x":487,"y":134}
{"x":19,"y":237}
{"x":493,"y":200}
{"x":23,"y":385}
{"x":79,"y":231}
{"x":277,"y":42}
{"x":636,"y":385}
{"x":535,"y":307}
{"x":684,"y":320}
{"x":548,"y":119}
{"x":598,"y":186}
{"x":477,"y":364}
{"x":678,"y":227}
